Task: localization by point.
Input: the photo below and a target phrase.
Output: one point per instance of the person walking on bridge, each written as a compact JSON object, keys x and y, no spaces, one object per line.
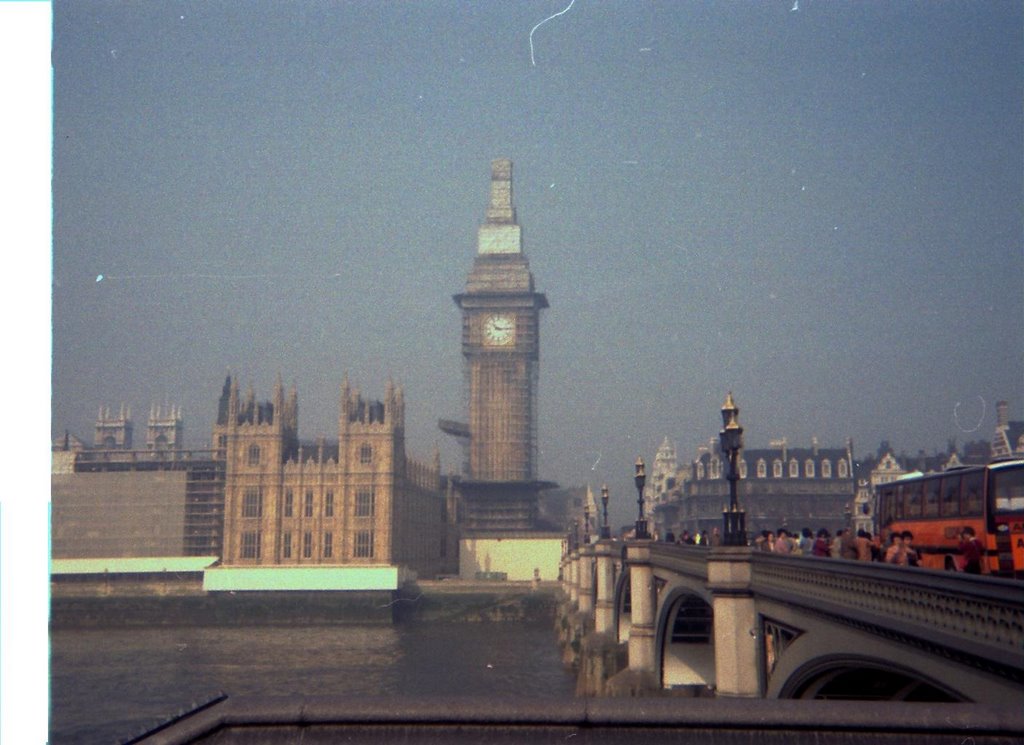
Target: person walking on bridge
{"x":912,"y":554}
{"x":970,"y":550}
{"x":896,"y":553}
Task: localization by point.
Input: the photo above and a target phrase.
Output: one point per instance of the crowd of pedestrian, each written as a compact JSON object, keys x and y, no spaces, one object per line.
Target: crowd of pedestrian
{"x":855,"y":545}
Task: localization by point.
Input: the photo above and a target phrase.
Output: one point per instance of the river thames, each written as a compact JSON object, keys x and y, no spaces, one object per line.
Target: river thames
{"x":108,"y":685}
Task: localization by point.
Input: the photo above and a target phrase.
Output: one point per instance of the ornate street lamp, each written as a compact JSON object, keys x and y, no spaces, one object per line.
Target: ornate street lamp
{"x":606,"y":532}
{"x":731,"y":436}
{"x":640,"y":478}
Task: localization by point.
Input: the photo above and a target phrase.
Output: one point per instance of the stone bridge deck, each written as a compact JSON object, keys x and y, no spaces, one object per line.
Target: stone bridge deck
{"x":751,"y":624}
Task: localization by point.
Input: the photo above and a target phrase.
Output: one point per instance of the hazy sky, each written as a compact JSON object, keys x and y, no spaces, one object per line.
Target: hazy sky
{"x":817,"y":207}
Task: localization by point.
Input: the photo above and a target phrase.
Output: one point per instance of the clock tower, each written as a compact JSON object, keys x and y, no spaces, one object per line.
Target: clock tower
{"x":501,"y":349}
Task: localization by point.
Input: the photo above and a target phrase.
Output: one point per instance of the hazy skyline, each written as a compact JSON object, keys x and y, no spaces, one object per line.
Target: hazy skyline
{"x":817,"y":209}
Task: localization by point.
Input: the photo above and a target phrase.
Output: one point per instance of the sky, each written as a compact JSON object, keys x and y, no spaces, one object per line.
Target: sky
{"x":815,"y":205}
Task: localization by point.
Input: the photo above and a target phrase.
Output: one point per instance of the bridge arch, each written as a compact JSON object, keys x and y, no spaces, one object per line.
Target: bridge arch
{"x":685,"y":640}
{"x":858,"y":678}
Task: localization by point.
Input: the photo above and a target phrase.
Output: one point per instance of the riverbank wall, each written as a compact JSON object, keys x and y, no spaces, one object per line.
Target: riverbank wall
{"x":175,"y":604}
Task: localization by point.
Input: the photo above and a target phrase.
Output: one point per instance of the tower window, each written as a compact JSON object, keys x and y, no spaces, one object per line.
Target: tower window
{"x":309,"y":503}
{"x":252,"y":502}
{"x":254,"y":455}
{"x":794,"y":469}
{"x":843,"y":470}
{"x":307,"y":545}
{"x":777,"y":469}
{"x":364,"y":502}
{"x":809,"y":468}
{"x":286,"y":548}
{"x":762,"y":468}
{"x":328,"y":545}
{"x":826,"y":469}
{"x":251,"y":544}
{"x":289,"y":499}
{"x":329,"y":504}
{"x":364,"y":544}
{"x":366,"y":453}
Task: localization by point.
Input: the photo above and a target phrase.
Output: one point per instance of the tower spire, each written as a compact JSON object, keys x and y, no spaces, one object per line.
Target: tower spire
{"x":500,"y":234}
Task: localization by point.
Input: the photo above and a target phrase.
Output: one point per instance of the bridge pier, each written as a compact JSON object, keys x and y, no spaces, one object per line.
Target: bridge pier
{"x":735,"y":624}
{"x":586,"y":583}
{"x":641,"y":589}
{"x":574,"y":578}
{"x":640,"y":676}
{"x":604,"y":611}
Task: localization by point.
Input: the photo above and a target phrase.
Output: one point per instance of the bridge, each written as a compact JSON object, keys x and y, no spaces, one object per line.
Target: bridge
{"x":737,"y":622}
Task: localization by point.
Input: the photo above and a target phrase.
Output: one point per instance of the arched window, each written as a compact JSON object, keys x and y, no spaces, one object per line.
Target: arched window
{"x":700,"y":471}
{"x":254,"y":455}
{"x":365,"y":453}
{"x":762,"y":468}
{"x":794,"y":469}
{"x":826,"y":469}
{"x":844,"y":471}
{"x":777,"y":469}
{"x":743,"y":469}
{"x":809,"y":469}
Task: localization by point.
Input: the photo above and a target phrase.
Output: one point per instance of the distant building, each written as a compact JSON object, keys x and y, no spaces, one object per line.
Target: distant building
{"x":663,"y":491}
{"x":501,"y":351}
{"x":779,"y":486}
{"x":110,"y":501}
{"x":357,"y":500}
{"x":114,"y":432}
{"x":165,"y":428}
{"x":1008,"y":438}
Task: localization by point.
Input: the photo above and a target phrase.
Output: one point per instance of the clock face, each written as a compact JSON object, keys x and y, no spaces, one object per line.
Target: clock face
{"x":499,"y":330}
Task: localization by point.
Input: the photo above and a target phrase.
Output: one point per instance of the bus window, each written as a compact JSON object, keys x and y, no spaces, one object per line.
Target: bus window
{"x":951,"y":495}
{"x":913,"y":499}
{"x":887,"y":504}
{"x":973,"y":485}
{"x":897,"y":502}
{"x":931,"y":497}
{"x":1008,"y":488}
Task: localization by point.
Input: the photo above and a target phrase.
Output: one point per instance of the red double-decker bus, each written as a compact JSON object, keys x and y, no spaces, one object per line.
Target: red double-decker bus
{"x":936,"y":507}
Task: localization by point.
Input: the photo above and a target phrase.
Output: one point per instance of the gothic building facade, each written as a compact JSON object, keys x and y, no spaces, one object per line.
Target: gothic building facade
{"x":357,"y":500}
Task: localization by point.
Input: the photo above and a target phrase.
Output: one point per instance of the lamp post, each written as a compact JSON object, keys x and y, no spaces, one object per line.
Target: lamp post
{"x":606,"y":533}
{"x":731,"y":437}
{"x":640,"y":478}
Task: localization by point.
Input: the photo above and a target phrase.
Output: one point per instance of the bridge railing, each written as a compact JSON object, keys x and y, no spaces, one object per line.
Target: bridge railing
{"x":691,"y":561}
{"x":960,"y":614}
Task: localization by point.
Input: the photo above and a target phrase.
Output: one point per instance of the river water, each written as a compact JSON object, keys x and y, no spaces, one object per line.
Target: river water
{"x":108,"y":685}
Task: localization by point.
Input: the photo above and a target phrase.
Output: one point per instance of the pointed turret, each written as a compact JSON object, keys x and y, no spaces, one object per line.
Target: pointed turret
{"x":500,"y":234}
{"x":234,"y":406}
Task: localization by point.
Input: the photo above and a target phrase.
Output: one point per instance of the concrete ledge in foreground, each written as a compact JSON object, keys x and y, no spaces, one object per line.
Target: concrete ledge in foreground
{"x":309,"y":720}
